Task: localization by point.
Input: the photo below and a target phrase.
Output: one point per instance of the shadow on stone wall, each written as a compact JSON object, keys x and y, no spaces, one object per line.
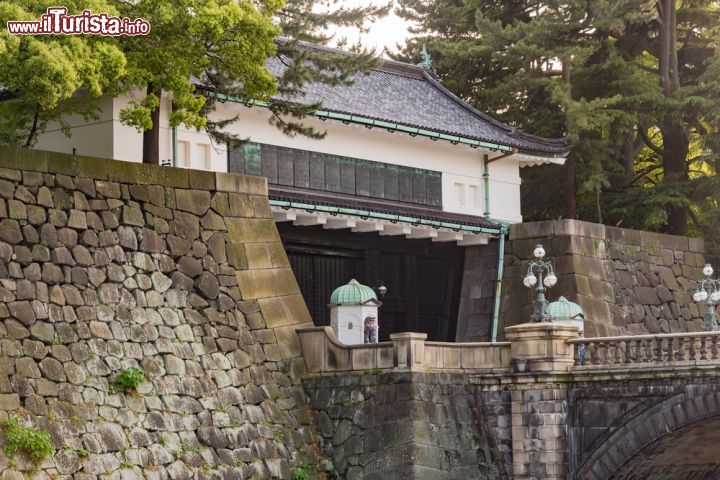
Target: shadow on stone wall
{"x":411,"y":425}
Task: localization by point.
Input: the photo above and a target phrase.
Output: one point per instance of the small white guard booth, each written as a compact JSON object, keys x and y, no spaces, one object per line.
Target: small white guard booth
{"x":349,"y":306}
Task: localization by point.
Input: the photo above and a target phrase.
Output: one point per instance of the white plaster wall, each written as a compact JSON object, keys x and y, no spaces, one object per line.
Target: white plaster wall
{"x":459,"y":163}
{"x":505,"y":190}
{"x":92,"y":138}
{"x":128,"y":141}
{"x":461,"y":166}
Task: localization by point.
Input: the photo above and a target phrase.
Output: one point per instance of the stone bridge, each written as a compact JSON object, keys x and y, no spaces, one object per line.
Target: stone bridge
{"x":109,"y":265}
{"x":639,"y":407}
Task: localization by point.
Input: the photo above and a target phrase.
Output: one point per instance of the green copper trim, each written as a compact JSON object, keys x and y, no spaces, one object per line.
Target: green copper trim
{"x":384,"y":216}
{"x":486,"y":184}
{"x":504,"y":228}
{"x":344,"y":117}
{"x":174,"y":147}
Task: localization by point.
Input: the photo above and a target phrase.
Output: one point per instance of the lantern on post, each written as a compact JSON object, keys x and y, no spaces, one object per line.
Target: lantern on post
{"x":545,"y":278}
{"x":709,"y":292}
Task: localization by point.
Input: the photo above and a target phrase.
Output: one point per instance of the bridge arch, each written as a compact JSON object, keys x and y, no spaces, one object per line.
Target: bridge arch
{"x":676,"y":416}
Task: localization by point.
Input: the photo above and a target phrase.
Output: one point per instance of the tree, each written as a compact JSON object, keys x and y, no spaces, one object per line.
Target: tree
{"x":632,"y":83}
{"x":224,"y":45}
{"x":45,"y":79}
{"x":305,"y":25}
{"x":221,"y":43}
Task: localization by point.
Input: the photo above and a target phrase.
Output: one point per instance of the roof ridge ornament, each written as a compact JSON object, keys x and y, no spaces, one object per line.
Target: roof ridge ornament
{"x":426,"y":60}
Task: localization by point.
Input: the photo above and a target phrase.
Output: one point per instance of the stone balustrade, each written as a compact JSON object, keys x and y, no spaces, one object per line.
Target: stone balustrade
{"x":533,"y":348}
{"x":324,"y":353}
{"x":691,"y":348}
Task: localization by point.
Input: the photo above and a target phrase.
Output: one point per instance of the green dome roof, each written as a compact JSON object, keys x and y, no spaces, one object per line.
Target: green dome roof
{"x":354,"y":293}
{"x":564,"y":309}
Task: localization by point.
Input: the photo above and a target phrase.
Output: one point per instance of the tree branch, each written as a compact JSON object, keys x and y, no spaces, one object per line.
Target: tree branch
{"x":643,"y":135}
{"x":33,"y":129}
{"x":642,"y":174}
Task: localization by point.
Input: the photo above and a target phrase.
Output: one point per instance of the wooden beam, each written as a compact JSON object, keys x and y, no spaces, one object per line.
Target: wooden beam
{"x":363,"y":226}
{"x":284,"y":216}
{"x":338,"y":223}
{"x":419,"y":233}
{"x":445,"y":236}
{"x":473,"y":239}
{"x":308,"y":220}
{"x":391,"y":229}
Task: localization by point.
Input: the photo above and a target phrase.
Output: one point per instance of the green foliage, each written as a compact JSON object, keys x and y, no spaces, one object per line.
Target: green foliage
{"x":35,"y":443}
{"x":222,"y":43}
{"x":300,"y":473}
{"x":304,"y":24}
{"x":41,"y":76}
{"x":644,"y":134}
{"x":130,"y":378}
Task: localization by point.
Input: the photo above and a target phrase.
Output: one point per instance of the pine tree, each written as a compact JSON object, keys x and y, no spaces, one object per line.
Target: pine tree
{"x":306,"y":28}
{"x":633,"y":84}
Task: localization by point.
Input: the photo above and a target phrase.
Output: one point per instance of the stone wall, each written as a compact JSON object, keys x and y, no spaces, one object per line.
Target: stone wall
{"x":411,"y":425}
{"x":626,"y":281}
{"x":106,"y":265}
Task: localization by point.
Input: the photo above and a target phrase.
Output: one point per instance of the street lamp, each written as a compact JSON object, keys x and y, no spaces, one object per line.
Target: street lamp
{"x":708,"y":292}
{"x":540,"y":312}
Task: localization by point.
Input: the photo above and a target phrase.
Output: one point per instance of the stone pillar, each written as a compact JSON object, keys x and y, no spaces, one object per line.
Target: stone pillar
{"x":541,"y":347}
{"x":539,"y":406}
{"x":409,"y":349}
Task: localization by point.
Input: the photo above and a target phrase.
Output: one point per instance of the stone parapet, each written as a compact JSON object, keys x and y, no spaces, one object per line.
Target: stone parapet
{"x":324,"y":353}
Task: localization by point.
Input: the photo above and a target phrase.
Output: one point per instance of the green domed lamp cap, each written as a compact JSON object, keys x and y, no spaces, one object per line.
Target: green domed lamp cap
{"x":353,"y":293}
{"x":563,"y":310}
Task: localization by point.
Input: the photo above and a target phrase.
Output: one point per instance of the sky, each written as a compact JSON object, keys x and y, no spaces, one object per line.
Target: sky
{"x":385,"y":33}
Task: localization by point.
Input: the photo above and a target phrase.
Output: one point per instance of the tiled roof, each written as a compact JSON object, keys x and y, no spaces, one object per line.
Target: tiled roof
{"x":407,"y":94}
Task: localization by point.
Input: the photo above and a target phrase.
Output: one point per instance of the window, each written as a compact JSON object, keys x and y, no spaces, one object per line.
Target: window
{"x":183,"y":153}
{"x":334,"y":173}
{"x":459,"y":194}
{"x":474,"y":196}
{"x":203,"y":159}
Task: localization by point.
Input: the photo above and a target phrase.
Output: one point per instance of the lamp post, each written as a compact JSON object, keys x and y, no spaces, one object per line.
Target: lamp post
{"x":708,"y":292}
{"x":542,"y":267}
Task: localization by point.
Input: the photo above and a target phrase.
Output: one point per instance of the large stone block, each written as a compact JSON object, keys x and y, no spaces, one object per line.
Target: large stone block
{"x":193,"y":201}
{"x":251,"y":230}
{"x":266,"y":283}
{"x":234,"y":183}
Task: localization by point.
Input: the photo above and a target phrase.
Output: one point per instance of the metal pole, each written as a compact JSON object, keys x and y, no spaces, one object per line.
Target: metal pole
{"x":710,"y":324}
{"x":174,"y":147}
{"x":498,"y":283}
{"x":486,"y":184}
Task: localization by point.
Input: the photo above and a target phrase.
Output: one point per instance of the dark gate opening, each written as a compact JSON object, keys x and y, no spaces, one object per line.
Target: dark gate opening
{"x":423,"y":278}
